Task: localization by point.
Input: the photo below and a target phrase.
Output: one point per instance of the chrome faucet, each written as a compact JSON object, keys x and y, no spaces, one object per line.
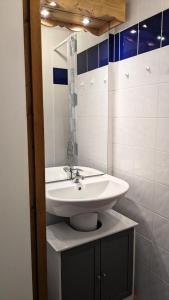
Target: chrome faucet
{"x":74,"y":174}
{"x":77,"y":176}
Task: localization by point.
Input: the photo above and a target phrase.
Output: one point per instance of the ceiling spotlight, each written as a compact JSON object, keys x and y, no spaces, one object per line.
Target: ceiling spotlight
{"x":44,"y":13}
{"x":160,"y":38}
{"x":133,"y":31}
{"x":52,"y":3}
{"x":144,"y":26}
{"x":86,"y":21}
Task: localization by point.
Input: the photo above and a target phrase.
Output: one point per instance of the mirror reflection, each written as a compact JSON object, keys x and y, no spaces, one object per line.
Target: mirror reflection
{"x":75,"y":97}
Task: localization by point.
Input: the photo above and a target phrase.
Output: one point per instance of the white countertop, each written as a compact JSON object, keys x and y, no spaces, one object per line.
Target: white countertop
{"x":62,"y":237}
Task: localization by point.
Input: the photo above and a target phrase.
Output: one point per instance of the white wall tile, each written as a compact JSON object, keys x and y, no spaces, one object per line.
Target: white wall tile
{"x":82,"y":83}
{"x":122,"y":103}
{"x":134,"y":102}
{"x":147,"y":68}
{"x":160,"y":232}
{"x":112,"y":75}
{"x":61,"y":102}
{"x":144,"y":161}
{"x":161,"y":200}
{"x":162,"y":134}
{"x":123,"y":74}
{"x":92,"y":115}
{"x":61,"y":140}
{"x":163,"y":101}
{"x":136,"y":212}
{"x":122,"y":158}
{"x":158,"y":290}
{"x":160,"y":263}
{"x":92,"y":141}
{"x":145,"y":132}
{"x":143,"y":251}
{"x":94,"y":103}
{"x":164,"y":64}
{"x":134,"y":131}
{"x":142,"y":282}
{"x":146,"y":101}
{"x":143,"y":192}
{"x":162,"y":167}
{"x":123,"y":131}
{"x":97,"y":79}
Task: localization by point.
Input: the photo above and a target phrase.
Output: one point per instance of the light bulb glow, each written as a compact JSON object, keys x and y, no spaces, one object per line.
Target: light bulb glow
{"x":52,"y":3}
{"x":133,"y":31}
{"x":162,"y":38}
{"x":86,"y":21}
{"x":44,"y":13}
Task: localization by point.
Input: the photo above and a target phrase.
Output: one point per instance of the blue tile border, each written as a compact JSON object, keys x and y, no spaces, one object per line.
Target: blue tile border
{"x":93,"y":58}
{"x":165,"y":31}
{"x":103,"y":53}
{"x":82,"y":62}
{"x":117,"y":47}
{"x":60,"y":76}
{"x":148,"y":35}
{"x":129,"y":42}
{"x":111,"y":47}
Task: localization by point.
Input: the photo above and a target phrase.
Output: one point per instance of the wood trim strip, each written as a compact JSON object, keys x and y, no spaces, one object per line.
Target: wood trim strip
{"x":34,"y":98}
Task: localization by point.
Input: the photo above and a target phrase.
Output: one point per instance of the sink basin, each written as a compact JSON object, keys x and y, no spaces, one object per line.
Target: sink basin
{"x":95,"y":194}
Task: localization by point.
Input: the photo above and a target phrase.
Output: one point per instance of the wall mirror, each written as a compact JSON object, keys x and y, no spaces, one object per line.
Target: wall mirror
{"x":75,"y":96}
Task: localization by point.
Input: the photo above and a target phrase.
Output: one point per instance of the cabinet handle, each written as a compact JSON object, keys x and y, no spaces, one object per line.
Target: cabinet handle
{"x":99,"y":277}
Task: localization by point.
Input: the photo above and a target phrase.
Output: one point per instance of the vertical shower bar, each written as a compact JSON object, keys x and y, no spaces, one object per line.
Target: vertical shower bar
{"x":72,"y":152}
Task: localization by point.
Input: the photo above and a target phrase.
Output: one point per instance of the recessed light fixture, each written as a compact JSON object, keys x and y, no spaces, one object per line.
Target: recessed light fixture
{"x":86,"y":21}
{"x":161,"y":38}
{"x":144,"y":26}
{"x":133,"y":31}
{"x":52,"y":3}
{"x":44,"y":13}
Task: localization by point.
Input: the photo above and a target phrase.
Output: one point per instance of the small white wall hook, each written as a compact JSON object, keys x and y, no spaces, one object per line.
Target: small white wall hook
{"x":127,"y":74}
{"x":105,"y":80}
{"x":148,"y":68}
{"x":92,"y":81}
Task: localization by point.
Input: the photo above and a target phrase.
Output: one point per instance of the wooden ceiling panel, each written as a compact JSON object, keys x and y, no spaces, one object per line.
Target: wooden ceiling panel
{"x":103,"y":14}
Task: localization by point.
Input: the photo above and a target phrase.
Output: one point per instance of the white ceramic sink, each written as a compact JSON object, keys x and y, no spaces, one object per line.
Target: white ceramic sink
{"x":96,"y":194}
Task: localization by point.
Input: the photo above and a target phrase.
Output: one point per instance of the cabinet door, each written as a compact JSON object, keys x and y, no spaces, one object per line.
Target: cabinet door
{"x":117,"y":266}
{"x":80,"y":268}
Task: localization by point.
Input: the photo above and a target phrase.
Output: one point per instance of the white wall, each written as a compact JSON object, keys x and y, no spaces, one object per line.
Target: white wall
{"x":86,"y":40}
{"x":55,"y":97}
{"x":15,"y":245}
{"x":139,"y":153}
{"x":138,"y":10}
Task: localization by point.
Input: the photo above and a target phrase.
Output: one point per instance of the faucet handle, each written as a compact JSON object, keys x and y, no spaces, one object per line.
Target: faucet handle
{"x":66,"y":169}
{"x":77,"y":176}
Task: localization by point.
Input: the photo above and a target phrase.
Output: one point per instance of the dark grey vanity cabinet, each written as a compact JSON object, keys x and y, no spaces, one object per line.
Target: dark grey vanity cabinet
{"x":100,"y":270}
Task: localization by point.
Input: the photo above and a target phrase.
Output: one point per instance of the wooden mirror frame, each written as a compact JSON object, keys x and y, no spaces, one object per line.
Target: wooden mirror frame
{"x":35,"y":125}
